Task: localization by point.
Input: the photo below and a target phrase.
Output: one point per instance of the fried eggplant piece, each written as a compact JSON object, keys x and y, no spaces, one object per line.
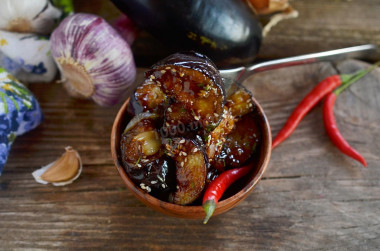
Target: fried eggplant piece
{"x":191,"y":169}
{"x":239,"y":100}
{"x":190,"y":79}
{"x":155,"y":176}
{"x":142,"y":154}
{"x":240,"y":144}
{"x":151,"y":96}
{"x":140,"y":141}
{"x":217,"y":137}
{"x":179,"y":122}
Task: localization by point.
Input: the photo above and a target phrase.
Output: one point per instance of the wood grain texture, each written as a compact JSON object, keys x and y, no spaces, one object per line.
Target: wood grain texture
{"x":324,"y":25}
{"x":311,"y":197}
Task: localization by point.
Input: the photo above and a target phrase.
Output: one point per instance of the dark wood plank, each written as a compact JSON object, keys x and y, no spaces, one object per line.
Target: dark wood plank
{"x":324,"y":25}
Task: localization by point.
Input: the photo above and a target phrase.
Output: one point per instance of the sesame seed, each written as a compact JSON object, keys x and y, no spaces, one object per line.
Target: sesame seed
{"x":153,"y":182}
{"x":216,"y":115}
{"x":250,"y":105}
{"x":167,"y":124}
{"x":152,"y":77}
{"x":195,"y":150}
{"x":138,"y":165}
{"x":186,"y":159}
{"x":177,"y":187}
{"x":196,"y":117}
{"x":173,"y":70}
{"x":181,"y":74}
{"x":163,"y":185}
{"x":182,"y":141}
{"x":168,"y":68}
{"x":184,"y":154}
{"x":182,"y":164}
{"x":163,"y":71}
{"x":170,"y":109}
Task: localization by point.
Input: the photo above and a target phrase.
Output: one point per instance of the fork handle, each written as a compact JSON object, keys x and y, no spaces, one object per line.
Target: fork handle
{"x":243,"y":73}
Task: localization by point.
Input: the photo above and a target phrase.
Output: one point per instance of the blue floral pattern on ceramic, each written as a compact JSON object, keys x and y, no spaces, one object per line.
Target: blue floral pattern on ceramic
{"x":19,"y":113}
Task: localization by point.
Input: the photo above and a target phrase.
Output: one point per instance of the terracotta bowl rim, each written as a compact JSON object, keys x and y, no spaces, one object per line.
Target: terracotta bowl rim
{"x":151,"y":200}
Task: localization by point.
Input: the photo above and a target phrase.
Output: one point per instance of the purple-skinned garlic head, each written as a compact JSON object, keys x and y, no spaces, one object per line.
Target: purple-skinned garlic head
{"x":95,"y":61}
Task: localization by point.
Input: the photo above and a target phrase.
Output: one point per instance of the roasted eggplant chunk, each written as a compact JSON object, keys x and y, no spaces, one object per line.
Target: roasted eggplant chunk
{"x":190,"y":80}
{"x":155,"y":176}
{"x":141,"y":142}
{"x":240,"y":144}
{"x":239,"y":100}
{"x":151,"y":96}
{"x":217,"y":137}
{"x":191,"y":167}
{"x":142,"y":154}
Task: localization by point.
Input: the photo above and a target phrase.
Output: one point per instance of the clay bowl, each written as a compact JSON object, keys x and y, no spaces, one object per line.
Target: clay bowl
{"x":233,"y":195}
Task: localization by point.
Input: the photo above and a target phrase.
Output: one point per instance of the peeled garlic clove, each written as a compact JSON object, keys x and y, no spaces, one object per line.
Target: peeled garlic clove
{"x":27,"y":57}
{"x":37,"y":16}
{"x":95,"y":61}
{"x":61,"y":172}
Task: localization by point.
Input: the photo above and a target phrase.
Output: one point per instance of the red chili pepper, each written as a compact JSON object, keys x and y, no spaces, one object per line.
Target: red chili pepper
{"x":333,"y":131}
{"x":217,"y":187}
{"x":330,"y":122}
{"x":312,"y":98}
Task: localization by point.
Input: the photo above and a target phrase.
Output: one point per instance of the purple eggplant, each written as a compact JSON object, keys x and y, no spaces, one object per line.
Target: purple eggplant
{"x":225,"y":30}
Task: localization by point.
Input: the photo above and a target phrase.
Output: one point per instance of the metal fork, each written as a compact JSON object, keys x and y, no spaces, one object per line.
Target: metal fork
{"x":239,"y":74}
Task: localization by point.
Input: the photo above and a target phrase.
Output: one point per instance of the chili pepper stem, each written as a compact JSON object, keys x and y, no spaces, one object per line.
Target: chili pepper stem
{"x":209,"y":208}
{"x":349,"y":79}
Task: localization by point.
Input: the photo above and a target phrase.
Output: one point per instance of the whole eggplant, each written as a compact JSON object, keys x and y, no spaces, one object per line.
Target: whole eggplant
{"x":227,"y":31}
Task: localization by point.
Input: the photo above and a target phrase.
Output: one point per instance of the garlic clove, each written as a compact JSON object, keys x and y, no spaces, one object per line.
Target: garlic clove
{"x":61,"y":172}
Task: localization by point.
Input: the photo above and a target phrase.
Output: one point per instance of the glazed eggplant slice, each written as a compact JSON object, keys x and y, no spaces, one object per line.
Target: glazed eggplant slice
{"x":155,"y":176}
{"x":191,"y":168}
{"x":240,"y":145}
{"x":141,"y":142}
{"x":151,"y":96}
{"x":239,"y":100}
{"x":192,"y":80}
{"x":179,"y":122}
{"x":217,"y":137}
{"x":142,"y":154}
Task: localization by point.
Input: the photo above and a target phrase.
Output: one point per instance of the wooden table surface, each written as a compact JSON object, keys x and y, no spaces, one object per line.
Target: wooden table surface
{"x":311,"y":197}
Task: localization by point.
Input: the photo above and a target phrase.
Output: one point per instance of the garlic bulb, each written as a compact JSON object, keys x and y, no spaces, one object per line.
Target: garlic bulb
{"x":27,"y":57}
{"x":61,"y":172}
{"x":95,"y":61}
{"x":36,"y":16}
